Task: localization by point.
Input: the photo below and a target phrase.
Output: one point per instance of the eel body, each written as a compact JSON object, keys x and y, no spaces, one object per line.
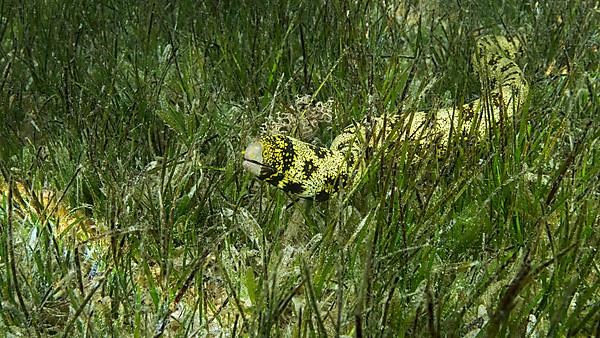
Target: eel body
{"x":308,"y":171}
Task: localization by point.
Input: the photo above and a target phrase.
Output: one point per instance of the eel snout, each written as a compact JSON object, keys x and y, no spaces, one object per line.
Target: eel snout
{"x":253,"y":159}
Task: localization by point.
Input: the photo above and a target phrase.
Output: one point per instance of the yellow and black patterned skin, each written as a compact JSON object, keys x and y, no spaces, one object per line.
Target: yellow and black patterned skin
{"x":308,"y":171}
{"x":297,"y":167}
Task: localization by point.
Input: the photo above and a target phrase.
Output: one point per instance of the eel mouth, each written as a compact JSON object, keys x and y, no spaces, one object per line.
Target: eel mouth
{"x":253,"y":161}
{"x":252,"y":166}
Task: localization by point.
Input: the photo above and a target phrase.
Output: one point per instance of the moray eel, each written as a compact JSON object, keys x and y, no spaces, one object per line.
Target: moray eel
{"x":307,"y":171}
